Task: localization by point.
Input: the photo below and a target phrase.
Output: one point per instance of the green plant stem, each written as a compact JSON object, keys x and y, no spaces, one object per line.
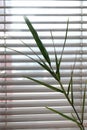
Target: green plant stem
{"x":81,"y":124}
{"x":82,"y":127}
{"x":69,"y":100}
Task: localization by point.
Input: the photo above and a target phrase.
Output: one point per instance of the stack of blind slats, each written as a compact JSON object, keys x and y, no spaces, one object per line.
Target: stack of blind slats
{"x":23,"y":102}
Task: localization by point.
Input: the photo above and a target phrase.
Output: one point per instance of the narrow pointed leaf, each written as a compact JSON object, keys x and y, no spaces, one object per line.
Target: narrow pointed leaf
{"x":63,"y":115}
{"x":64,"y":42}
{"x":45,"y":84}
{"x":38,"y":41}
{"x":32,"y":51}
{"x":83,"y":103}
{"x":56,"y":60}
{"x":19,"y":52}
{"x":46,"y":67}
{"x":72,"y":97}
{"x":59,"y":62}
{"x":43,"y":65}
{"x":69,"y":86}
{"x":41,"y":62}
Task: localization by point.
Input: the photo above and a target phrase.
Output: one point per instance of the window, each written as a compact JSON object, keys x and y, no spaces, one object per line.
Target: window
{"x":23,"y":102}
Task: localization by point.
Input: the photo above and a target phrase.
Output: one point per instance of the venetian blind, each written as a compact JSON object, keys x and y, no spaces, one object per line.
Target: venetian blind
{"x":23,"y":102}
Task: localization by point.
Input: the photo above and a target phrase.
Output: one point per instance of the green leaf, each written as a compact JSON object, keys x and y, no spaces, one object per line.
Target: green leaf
{"x":58,"y":73}
{"x":33,"y":51}
{"x":38,"y":41}
{"x":43,"y":65}
{"x":70,"y":86}
{"x":72,"y":97}
{"x":56,"y":60}
{"x":46,"y":67}
{"x":71,"y":82}
{"x":45,"y":84}
{"x":83,"y":103}
{"x":64,"y":42}
{"x":65,"y":116}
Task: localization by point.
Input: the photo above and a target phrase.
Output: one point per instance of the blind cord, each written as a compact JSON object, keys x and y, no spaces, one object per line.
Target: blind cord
{"x":5,"y":86}
{"x":81,"y":52}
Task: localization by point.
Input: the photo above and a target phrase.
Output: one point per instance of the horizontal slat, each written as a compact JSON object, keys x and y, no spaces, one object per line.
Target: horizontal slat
{"x":43,"y":30}
{"x":39,"y":125}
{"x":26,"y":82}
{"x":35,"y":117}
{"x":26,"y":60}
{"x":40,"y":73}
{"x":46,"y":0}
{"x":47,"y":129}
{"x":46,"y":7}
{"x":15,"y":44}
{"x":35,"y":96}
{"x":37,"y":67}
{"x":48,"y":15}
{"x":31,"y":67}
{"x":51,"y":52}
{"x":39,"y":117}
{"x":36,"y":110}
{"x":35,"y":88}
{"x":39,"y":103}
{"x":43,"y":22}
{"x":47,"y":37}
